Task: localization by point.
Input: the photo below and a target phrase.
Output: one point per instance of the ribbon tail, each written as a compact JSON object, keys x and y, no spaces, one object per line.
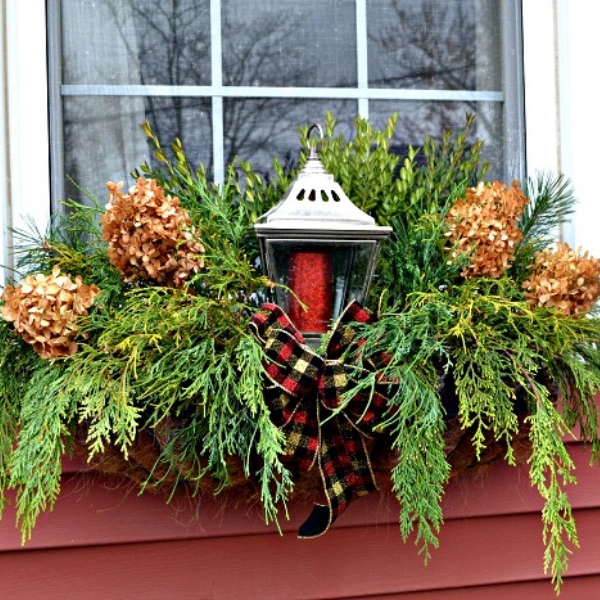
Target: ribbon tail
{"x":318,"y":522}
{"x":345,"y":471}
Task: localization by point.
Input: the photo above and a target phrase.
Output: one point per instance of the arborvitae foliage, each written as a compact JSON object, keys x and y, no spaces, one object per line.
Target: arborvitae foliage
{"x":500,"y":353}
{"x":181,"y":363}
{"x":147,"y":355}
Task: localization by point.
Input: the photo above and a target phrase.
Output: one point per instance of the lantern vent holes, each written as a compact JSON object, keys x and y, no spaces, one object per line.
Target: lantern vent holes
{"x":312,"y":195}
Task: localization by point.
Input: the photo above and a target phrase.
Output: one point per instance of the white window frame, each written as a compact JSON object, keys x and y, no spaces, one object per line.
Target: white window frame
{"x":24,"y":157}
{"x":578,"y":46}
{"x":541,"y":100}
{"x":561,"y":45}
{"x":4,"y":210}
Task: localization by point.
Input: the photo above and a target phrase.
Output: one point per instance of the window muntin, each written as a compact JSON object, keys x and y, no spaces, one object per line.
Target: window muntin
{"x":233,"y":77}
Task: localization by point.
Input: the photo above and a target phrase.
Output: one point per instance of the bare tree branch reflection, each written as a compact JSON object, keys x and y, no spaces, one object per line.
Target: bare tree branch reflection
{"x":439,"y":45}
{"x":412,"y":44}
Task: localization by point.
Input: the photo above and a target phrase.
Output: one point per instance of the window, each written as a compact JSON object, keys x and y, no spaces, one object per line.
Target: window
{"x":236,"y":77}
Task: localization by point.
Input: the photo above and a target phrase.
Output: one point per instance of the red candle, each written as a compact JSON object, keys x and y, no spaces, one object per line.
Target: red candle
{"x":311,"y":279}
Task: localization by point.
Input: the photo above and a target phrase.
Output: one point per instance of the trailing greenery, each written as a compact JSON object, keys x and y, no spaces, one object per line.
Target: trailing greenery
{"x":499,"y":353}
{"x":181,"y":364}
{"x":147,"y":355}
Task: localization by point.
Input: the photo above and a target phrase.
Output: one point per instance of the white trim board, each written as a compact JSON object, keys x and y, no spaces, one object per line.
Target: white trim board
{"x":26,"y":108}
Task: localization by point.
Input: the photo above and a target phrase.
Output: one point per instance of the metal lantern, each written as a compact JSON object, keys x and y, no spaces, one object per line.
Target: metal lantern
{"x":318,"y":244}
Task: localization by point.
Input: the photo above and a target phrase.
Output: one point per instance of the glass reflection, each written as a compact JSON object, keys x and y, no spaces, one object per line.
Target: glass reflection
{"x":410,"y":44}
{"x":289,"y":43}
{"x":435,"y":44}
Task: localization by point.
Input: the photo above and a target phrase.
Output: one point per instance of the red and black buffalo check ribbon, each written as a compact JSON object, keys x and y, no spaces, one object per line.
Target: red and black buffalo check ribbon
{"x":304,"y":396}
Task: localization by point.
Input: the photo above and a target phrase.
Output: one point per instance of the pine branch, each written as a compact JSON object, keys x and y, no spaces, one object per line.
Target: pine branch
{"x":552,"y":202}
{"x":415,"y":423}
{"x":420,"y":476}
{"x":486,"y":400}
{"x":17,"y":364}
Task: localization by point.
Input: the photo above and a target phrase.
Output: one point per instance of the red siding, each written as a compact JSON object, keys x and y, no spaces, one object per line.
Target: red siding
{"x":103,"y":541}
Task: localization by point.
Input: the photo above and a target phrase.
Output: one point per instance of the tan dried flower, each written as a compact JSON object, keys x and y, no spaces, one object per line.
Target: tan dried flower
{"x":484,"y":225}
{"x":45,"y":309}
{"x":564,"y":279}
{"x":149,"y":234}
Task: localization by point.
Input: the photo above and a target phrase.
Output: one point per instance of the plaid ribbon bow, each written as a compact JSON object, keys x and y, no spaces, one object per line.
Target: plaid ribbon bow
{"x":303,"y":391}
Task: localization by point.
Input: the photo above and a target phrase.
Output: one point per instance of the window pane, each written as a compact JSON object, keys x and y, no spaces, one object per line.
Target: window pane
{"x":103,"y":139}
{"x":188,"y":119}
{"x":173,"y":38}
{"x":435,"y":44}
{"x":151,"y":42}
{"x":419,"y":119}
{"x":289,"y":43}
{"x":260,"y":129}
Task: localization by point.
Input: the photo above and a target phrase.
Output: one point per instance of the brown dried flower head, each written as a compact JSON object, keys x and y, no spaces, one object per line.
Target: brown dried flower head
{"x":564,"y":279}
{"x":149,"y":234}
{"x":484,"y":225}
{"x":44,"y":310}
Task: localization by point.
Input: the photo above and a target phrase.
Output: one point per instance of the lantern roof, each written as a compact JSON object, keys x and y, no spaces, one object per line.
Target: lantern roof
{"x":315,"y":205}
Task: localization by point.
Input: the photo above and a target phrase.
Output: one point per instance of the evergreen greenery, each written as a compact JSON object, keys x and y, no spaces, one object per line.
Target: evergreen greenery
{"x":181,"y":362}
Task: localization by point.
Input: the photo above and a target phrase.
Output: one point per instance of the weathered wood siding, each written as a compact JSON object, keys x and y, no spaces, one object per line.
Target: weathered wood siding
{"x":104,"y":541}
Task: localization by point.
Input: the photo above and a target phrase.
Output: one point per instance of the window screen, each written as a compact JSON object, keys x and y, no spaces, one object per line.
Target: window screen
{"x":237,"y":77}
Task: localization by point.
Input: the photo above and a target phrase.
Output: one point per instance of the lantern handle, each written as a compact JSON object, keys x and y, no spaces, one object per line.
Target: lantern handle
{"x":314,"y":152}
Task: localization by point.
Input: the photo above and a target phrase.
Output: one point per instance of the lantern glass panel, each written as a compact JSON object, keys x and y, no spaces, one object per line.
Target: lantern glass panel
{"x":324,"y":275}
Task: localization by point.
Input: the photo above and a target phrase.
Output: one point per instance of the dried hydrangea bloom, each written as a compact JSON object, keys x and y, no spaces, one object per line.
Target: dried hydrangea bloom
{"x":149,"y":234}
{"x":484,"y":225}
{"x":563,"y":279}
{"x":44,"y":310}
